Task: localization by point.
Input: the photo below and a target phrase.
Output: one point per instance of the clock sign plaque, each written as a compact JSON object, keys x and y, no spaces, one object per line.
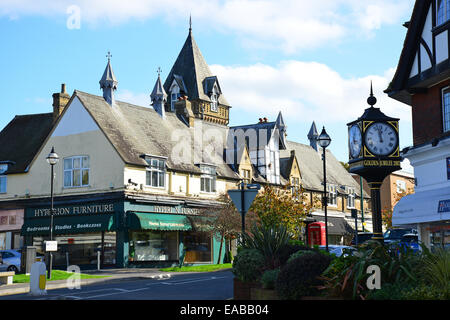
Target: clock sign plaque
{"x":373,"y":142}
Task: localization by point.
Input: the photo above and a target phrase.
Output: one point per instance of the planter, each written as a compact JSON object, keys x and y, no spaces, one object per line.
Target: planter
{"x":263,"y":294}
{"x":320,"y":298}
{"x":242,"y":290}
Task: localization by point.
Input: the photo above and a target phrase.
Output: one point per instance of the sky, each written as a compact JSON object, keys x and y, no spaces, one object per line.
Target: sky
{"x":311,"y":60}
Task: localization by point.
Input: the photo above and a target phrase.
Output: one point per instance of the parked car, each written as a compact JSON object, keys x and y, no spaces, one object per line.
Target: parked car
{"x":362,"y":237}
{"x":11,"y":260}
{"x":396,"y":234}
{"x":339,"y":250}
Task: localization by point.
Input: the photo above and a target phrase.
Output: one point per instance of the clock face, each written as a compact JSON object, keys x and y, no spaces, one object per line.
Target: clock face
{"x":354,"y":140}
{"x":381,"y":139}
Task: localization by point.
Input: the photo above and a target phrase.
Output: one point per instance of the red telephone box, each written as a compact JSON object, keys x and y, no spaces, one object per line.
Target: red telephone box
{"x":316,"y":234}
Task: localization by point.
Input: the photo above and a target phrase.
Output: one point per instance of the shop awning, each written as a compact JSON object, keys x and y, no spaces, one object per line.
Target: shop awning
{"x":69,"y":225}
{"x":426,"y":206}
{"x":336,"y":225}
{"x":158,"y":221}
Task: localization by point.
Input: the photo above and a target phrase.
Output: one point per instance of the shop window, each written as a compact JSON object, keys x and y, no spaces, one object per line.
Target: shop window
{"x":76,"y":171}
{"x":154,"y":245}
{"x":198,"y":247}
{"x":332,"y":195}
{"x":156,"y":173}
{"x":208,"y":179}
{"x":351,"y":198}
{"x":3,"y":177}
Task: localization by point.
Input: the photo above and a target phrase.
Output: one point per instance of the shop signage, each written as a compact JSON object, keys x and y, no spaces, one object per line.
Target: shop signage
{"x":73,"y":210}
{"x":444,"y":206}
{"x":176,"y":210}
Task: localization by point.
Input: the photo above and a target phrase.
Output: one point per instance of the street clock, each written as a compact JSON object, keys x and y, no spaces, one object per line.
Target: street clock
{"x":373,"y":143}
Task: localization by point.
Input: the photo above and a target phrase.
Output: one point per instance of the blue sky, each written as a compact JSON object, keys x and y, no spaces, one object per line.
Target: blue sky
{"x":312,"y":61}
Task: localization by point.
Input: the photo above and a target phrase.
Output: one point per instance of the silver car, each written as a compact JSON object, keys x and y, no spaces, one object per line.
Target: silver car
{"x":10,"y":260}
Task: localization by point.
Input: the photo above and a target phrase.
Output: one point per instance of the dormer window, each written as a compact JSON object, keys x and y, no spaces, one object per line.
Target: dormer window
{"x":208,"y":179}
{"x":443,"y":11}
{"x":3,"y":177}
{"x":214,"y":97}
{"x":156,"y":173}
{"x":174,"y":95}
{"x":351,"y":198}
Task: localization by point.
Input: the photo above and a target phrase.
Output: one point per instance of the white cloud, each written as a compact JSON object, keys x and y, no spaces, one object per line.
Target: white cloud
{"x":286,"y":24}
{"x":139,"y":99}
{"x":305,"y":91}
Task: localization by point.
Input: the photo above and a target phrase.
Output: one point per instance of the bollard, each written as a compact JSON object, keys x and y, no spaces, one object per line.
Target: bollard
{"x":98,"y":260}
{"x":38,"y":279}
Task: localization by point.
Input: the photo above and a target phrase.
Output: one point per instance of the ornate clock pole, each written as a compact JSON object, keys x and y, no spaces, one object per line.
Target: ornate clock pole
{"x":374,"y":154}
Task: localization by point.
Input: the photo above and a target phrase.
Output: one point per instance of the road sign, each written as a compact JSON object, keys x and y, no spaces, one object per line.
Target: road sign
{"x":51,"y":246}
{"x":242,"y":199}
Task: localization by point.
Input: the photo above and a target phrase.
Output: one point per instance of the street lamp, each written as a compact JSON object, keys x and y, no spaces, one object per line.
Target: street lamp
{"x":52,"y":159}
{"x":324,"y":141}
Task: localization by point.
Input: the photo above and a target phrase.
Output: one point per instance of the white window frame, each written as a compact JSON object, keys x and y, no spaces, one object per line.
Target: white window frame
{"x":155,"y":166}
{"x":208,"y":178}
{"x":351,"y":198}
{"x":445,"y":109}
{"x":441,"y":19}
{"x":3,"y":178}
{"x":70,"y":170}
{"x":246,"y":176}
{"x":214,"y":98}
{"x":174,"y":95}
{"x":332,"y":195}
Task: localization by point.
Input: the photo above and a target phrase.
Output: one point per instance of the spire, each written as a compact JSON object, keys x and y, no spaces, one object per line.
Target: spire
{"x":371,"y":100}
{"x":108,"y":82}
{"x":190,"y":23}
{"x":159,"y":96}
{"x":313,"y":135}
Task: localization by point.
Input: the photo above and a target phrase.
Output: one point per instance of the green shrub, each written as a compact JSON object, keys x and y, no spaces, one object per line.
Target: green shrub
{"x":248,"y":265}
{"x":268,"y":240}
{"x":299,"y":276}
{"x":425,"y":292}
{"x":288,"y":250}
{"x":390,"y":291}
{"x":299,"y":254}
{"x":269,"y":277}
{"x":436,"y":269}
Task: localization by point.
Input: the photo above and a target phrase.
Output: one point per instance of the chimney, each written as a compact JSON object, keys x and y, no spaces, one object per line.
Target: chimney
{"x":60,"y":100}
{"x":183,"y":109}
{"x":265,"y":119}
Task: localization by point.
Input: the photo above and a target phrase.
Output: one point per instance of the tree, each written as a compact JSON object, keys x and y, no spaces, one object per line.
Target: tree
{"x":282,"y":206}
{"x":386,"y":214}
{"x":224,"y":221}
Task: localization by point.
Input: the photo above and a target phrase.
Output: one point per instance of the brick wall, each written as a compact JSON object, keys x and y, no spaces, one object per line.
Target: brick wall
{"x":427,"y":114}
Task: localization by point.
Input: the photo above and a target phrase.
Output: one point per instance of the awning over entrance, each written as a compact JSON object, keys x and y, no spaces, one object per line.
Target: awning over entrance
{"x":336,"y":225}
{"x":158,"y":221}
{"x":70,"y":224}
{"x":426,"y":206}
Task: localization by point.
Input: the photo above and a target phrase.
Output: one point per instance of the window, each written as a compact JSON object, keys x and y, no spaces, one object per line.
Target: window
{"x":214,"y":102}
{"x":174,"y":95}
{"x":208,"y":179}
{"x":156,"y":173}
{"x":76,"y":171}
{"x":246,"y":176}
{"x":3,"y":179}
{"x":401,"y":186}
{"x":443,"y":11}
{"x":351,"y":198}
{"x":154,"y":245}
{"x":446,"y":109}
{"x":332,"y":195}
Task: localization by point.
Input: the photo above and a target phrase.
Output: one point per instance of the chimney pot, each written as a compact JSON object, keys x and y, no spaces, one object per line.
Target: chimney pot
{"x":265,"y":119}
{"x":63,"y":88}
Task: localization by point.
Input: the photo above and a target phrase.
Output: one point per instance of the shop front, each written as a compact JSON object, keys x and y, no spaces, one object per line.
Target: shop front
{"x":11,"y":221}
{"x":85,"y":232}
{"x":161,"y":235}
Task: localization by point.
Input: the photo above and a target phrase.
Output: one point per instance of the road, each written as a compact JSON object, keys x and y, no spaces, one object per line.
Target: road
{"x":193,"y":286}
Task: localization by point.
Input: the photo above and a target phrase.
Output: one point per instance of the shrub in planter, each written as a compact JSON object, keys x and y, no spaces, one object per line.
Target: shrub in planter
{"x":268,"y":278}
{"x":288,"y":250}
{"x":299,"y":276}
{"x":299,"y":254}
{"x":248,"y":265}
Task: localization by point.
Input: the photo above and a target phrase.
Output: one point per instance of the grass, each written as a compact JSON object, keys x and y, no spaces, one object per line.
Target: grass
{"x":202,"y":268}
{"x":56,"y":275}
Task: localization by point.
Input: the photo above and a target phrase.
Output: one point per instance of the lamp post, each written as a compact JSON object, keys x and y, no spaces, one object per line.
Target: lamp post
{"x":52,"y":159}
{"x":324,"y":141}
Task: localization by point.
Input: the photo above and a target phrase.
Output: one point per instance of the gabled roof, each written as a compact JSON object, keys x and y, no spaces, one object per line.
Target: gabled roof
{"x":134,"y":131}
{"x":193,"y":69}
{"x":311,"y":168}
{"x":22,"y":138}
{"x":398,"y":87}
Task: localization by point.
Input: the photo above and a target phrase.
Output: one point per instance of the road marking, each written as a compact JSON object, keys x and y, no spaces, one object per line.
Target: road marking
{"x":190,"y":281}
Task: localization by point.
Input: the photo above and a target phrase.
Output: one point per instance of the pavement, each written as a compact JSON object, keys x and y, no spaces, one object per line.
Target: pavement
{"x":112,"y":275}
